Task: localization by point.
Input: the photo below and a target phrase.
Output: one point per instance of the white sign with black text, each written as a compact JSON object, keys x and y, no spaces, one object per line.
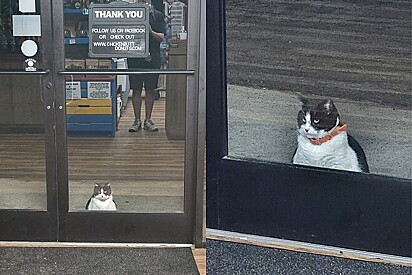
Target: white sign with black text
{"x":98,"y":89}
{"x":73,"y":90}
{"x":119,"y":30}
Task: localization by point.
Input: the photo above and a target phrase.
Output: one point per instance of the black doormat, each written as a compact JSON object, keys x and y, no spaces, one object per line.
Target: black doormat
{"x":235,"y":258}
{"x":86,"y":260}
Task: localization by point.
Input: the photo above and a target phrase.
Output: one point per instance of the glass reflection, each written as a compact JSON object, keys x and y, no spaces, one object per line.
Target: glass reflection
{"x":365,"y":70}
{"x":22,"y":145}
{"x":129,"y":130}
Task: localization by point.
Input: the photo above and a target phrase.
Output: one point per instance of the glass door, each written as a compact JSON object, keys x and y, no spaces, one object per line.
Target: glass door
{"x":27,"y":154}
{"x":128,"y":121}
{"x":75,"y":166}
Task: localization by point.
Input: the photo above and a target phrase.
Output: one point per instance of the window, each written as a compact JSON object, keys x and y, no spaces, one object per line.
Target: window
{"x":354,"y":53}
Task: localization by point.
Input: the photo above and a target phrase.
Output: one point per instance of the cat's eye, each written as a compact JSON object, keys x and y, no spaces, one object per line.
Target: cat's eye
{"x":303,"y":119}
{"x":316,"y":121}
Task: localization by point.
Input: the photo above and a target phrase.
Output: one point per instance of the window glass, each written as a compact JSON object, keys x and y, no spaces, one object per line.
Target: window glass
{"x":22,"y":131}
{"x":128,"y":130}
{"x":355,"y":53}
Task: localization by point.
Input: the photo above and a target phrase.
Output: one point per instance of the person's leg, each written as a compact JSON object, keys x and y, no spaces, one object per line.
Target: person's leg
{"x":148,"y":102}
{"x":150,"y":86}
{"x":137,"y":102}
{"x":137,"y":85}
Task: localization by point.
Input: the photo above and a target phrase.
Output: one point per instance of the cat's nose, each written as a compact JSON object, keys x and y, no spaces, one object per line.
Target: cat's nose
{"x":306,"y":130}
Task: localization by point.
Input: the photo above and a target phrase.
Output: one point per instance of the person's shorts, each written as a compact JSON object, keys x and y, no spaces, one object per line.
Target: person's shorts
{"x":138,"y":81}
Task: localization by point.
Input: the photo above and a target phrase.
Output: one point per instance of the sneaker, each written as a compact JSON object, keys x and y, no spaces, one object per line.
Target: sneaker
{"x":137,"y":125}
{"x":149,"y":126}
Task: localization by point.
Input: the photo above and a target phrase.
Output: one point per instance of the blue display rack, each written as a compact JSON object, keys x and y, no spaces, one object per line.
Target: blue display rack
{"x":84,"y":124}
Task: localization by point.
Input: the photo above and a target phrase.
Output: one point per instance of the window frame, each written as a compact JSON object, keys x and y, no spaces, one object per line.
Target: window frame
{"x":354,"y":210}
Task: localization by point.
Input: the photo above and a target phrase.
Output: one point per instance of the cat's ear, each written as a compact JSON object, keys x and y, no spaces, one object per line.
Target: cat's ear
{"x":107,"y":184}
{"x":96,"y":184}
{"x":328,"y":106}
{"x":304,"y":101}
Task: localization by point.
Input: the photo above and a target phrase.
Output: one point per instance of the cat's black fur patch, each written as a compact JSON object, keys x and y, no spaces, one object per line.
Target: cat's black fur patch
{"x":325,"y":112}
{"x":363,"y":163}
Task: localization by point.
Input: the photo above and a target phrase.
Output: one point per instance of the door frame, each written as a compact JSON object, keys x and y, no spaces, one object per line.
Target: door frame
{"x":136,"y":227}
{"x":34,"y":225}
{"x":291,"y":202}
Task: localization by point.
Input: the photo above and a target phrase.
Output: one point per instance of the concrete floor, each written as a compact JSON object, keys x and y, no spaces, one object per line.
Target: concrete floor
{"x":262,"y":125}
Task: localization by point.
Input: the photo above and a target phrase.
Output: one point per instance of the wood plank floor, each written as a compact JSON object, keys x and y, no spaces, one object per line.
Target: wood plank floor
{"x":200,"y":258}
{"x":146,"y":170}
{"x":142,"y":165}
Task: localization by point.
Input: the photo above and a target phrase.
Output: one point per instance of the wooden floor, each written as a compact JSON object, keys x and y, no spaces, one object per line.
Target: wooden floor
{"x":144,"y":167}
{"x":146,"y":170}
{"x":200,"y":258}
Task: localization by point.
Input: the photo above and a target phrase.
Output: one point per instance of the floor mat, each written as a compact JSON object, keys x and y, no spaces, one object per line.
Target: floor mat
{"x":84,"y":260}
{"x":235,"y":258}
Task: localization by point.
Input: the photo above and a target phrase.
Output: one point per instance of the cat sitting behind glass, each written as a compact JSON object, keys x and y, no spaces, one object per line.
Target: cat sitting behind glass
{"x":323,"y":140}
{"x":102,"y":198}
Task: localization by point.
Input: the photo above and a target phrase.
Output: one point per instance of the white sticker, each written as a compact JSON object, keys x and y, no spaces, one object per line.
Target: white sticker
{"x":26,"y":25}
{"x":30,"y":65}
{"x":27,"y":5}
{"x":73,"y":90}
{"x":29,"y":48}
{"x":98,"y":89}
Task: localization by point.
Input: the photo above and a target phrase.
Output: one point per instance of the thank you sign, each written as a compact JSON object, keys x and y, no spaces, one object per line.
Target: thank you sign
{"x":118,"y":29}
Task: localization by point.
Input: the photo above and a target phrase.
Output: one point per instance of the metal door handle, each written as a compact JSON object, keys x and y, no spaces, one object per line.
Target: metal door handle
{"x":124,"y":72}
{"x":24,"y":72}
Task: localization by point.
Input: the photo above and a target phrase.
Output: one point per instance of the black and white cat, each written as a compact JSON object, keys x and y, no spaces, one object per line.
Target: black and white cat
{"x":323,"y":140}
{"x":102,"y":198}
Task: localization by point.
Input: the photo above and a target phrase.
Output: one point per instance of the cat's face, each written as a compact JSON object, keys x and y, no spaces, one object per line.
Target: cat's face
{"x":315,"y":120}
{"x":102,"y":191}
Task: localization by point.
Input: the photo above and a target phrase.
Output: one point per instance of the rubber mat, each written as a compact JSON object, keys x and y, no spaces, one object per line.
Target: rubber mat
{"x":81,"y":260}
{"x":235,"y":258}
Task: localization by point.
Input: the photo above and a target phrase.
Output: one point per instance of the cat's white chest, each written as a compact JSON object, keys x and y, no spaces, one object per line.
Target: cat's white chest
{"x":335,"y":153}
{"x":96,"y":204}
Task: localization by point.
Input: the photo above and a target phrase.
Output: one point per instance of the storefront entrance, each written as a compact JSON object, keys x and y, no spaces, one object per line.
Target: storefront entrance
{"x":262,"y":60}
{"x":65,"y":122}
